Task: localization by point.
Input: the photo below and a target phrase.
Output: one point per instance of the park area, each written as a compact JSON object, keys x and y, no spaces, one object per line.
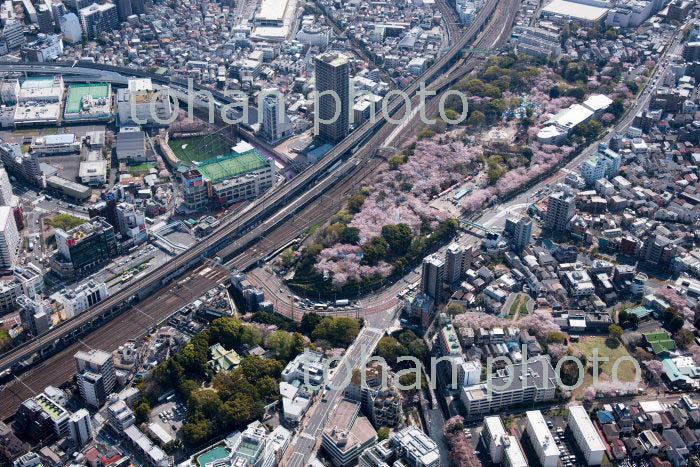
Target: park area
{"x":610,"y":349}
{"x":199,"y":148}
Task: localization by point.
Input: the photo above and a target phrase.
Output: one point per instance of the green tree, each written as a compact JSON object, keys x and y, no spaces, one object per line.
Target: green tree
{"x":286,"y":345}
{"x":477,"y":118}
{"x":198,"y":432}
{"x":351,"y":236}
{"x":455,"y":308}
{"x":251,"y":336}
{"x":399,"y":237}
{"x":375,"y":250}
{"x":255,"y":367}
{"x":389,"y":349}
{"x":556,"y":337}
{"x":287,"y":258}
{"x":615,"y":331}
{"x":309,"y":322}
{"x":383,"y":434}
{"x":338,"y":331}
{"x":204,"y":403}
{"x":355,"y":203}
{"x":396,"y":161}
{"x":426,"y":134}
{"x":226,"y":331}
{"x":142,"y":412}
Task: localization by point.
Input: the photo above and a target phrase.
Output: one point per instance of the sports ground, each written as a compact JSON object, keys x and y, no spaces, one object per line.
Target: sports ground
{"x":199,"y":148}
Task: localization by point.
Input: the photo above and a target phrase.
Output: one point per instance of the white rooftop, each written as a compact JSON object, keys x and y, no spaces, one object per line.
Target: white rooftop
{"x":575,"y":10}
{"x":589,"y":432}
{"x":542,"y":434}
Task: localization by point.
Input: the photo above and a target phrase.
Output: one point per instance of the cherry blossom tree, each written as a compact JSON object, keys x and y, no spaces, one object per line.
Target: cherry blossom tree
{"x":461,"y":450}
{"x":557,"y":351}
{"x":655,"y":369}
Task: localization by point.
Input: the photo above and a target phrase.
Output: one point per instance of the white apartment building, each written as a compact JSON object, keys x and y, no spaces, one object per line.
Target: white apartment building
{"x":80,"y":426}
{"x":541,"y":439}
{"x":9,"y":238}
{"x":586,"y":435}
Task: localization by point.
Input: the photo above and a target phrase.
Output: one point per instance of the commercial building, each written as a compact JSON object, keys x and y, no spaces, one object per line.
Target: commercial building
{"x":347,"y":434}
{"x":541,"y":439}
{"x":84,"y":247}
{"x":80,"y":425}
{"x":93,"y":173}
{"x":586,"y":435}
{"x":30,"y":279}
{"x":238,"y":177}
{"x":140,"y":104}
{"x":561,"y":125}
{"x":42,"y":419}
{"x":416,"y":448}
{"x":585,"y":12}
{"x":41,"y":89}
{"x":98,"y":18}
{"x":195,"y":190}
{"x":276,"y":125}
{"x":9,"y":238}
{"x":561,"y":207}
{"x":131,"y":223}
{"x":98,"y":362}
{"x":82,"y":298}
{"x":333,"y":89}
{"x":9,"y":91}
{"x":13,"y":34}
{"x":131,"y":145}
{"x":433,"y":276}
{"x":88,"y":102}
{"x":51,"y":145}
{"x":43,"y":49}
{"x":34,"y":314}
{"x":513,"y":385}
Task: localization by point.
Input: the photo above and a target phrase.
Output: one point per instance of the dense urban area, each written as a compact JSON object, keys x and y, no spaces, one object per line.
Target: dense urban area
{"x":238,"y":233}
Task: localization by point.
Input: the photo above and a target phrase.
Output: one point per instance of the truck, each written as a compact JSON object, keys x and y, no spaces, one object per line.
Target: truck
{"x":343,"y":302}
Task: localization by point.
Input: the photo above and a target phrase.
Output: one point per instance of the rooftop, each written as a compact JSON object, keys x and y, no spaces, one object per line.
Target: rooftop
{"x":232,"y":165}
{"x":80,"y":94}
{"x":589,"y":432}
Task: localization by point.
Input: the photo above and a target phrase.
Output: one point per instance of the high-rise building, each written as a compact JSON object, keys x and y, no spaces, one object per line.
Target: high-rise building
{"x":98,"y":362}
{"x":138,"y":7}
{"x":9,"y":238}
{"x":41,"y":418}
{"x":44,"y":17}
{"x":13,"y":34}
{"x":560,"y":209}
{"x":458,"y":259}
{"x":275,"y":123}
{"x":333,"y":88}
{"x":34,"y":314}
{"x":58,"y":8}
{"x":433,"y":276}
{"x":92,"y":388}
{"x":71,"y":29}
{"x":522,"y":233}
{"x":195,"y":191}
{"x":124,"y":9}
{"x":5,"y":188}
{"x":9,"y":91}
{"x":26,"y":166}
{"x":81,"y":428}
{"x":98,"y":18}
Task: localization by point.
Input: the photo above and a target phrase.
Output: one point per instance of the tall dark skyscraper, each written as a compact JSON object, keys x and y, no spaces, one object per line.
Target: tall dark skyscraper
{"x":44,"y":17}
{"x":138,"y":7}
{"x":333,"y":74}
{"x":124,"y":9}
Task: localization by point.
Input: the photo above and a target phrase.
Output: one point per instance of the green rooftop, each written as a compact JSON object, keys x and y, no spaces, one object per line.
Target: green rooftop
{"x":660,"y":342}
{"x":222,"y":359}
{"x":213,"y":455}
{"x":50,"y":407}
{"x":232,"y":165}
{"x":76,"y":93}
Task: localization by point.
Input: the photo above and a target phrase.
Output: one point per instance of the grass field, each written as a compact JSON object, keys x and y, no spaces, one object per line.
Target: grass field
{"x":519,"y":303}
{"x":145,"y":167}
{"x":199,"y":148}
{"x":607,"y":348}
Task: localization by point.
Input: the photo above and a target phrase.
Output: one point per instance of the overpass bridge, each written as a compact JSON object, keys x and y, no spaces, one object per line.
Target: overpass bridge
{"x":245,"y":228}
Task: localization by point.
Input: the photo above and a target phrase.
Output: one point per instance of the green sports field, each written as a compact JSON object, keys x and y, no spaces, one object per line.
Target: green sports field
{"x":199,"y":148}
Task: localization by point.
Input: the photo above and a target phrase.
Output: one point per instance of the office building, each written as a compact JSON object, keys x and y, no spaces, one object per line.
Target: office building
{"x":561,"y":207}
{"x":42,"y":419}
{"x":333,"y":88}
{"x":44,"y":49}
{"x":92,"y":388}
{"x":34,"y":314}
{"x":457,"y":260}
{"x":495,"y":438}
{"x":44,"y":17}
{"x":71,"y":28}
{"x":13,"y":34}
{"x":433,"y":276}
{"x":9,"y":91}
{"x":81,"y":428}
{"x":138,"y":7}
{"x":586,"y":435}
{"x":347,"y":434}
{"x":82,"y":298}
{"x":140,"y":104}
{"x":541,"y":439}
{"x":98,"y":362}
{"x":276,"y":125}
{"x":416,"y":448}
{"x":9,"y":238}
{"x":84,"y":247}
{"x":195,"y":191}
{"x":6,"y":195}
{"x":513,"y":385}
{"x":25,"y":166}
{"x":522,"y":233}
{"x":98,"y":18}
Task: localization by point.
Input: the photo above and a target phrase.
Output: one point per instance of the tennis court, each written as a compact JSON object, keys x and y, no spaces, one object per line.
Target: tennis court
{"x":76,"y":93}
{"x":199,"y":148}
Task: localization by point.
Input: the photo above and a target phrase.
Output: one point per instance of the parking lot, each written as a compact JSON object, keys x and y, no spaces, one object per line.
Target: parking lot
{"x":171,"y":416}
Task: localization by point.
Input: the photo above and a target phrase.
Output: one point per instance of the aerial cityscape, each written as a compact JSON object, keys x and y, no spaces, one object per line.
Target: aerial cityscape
{"x":308,"y":233}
